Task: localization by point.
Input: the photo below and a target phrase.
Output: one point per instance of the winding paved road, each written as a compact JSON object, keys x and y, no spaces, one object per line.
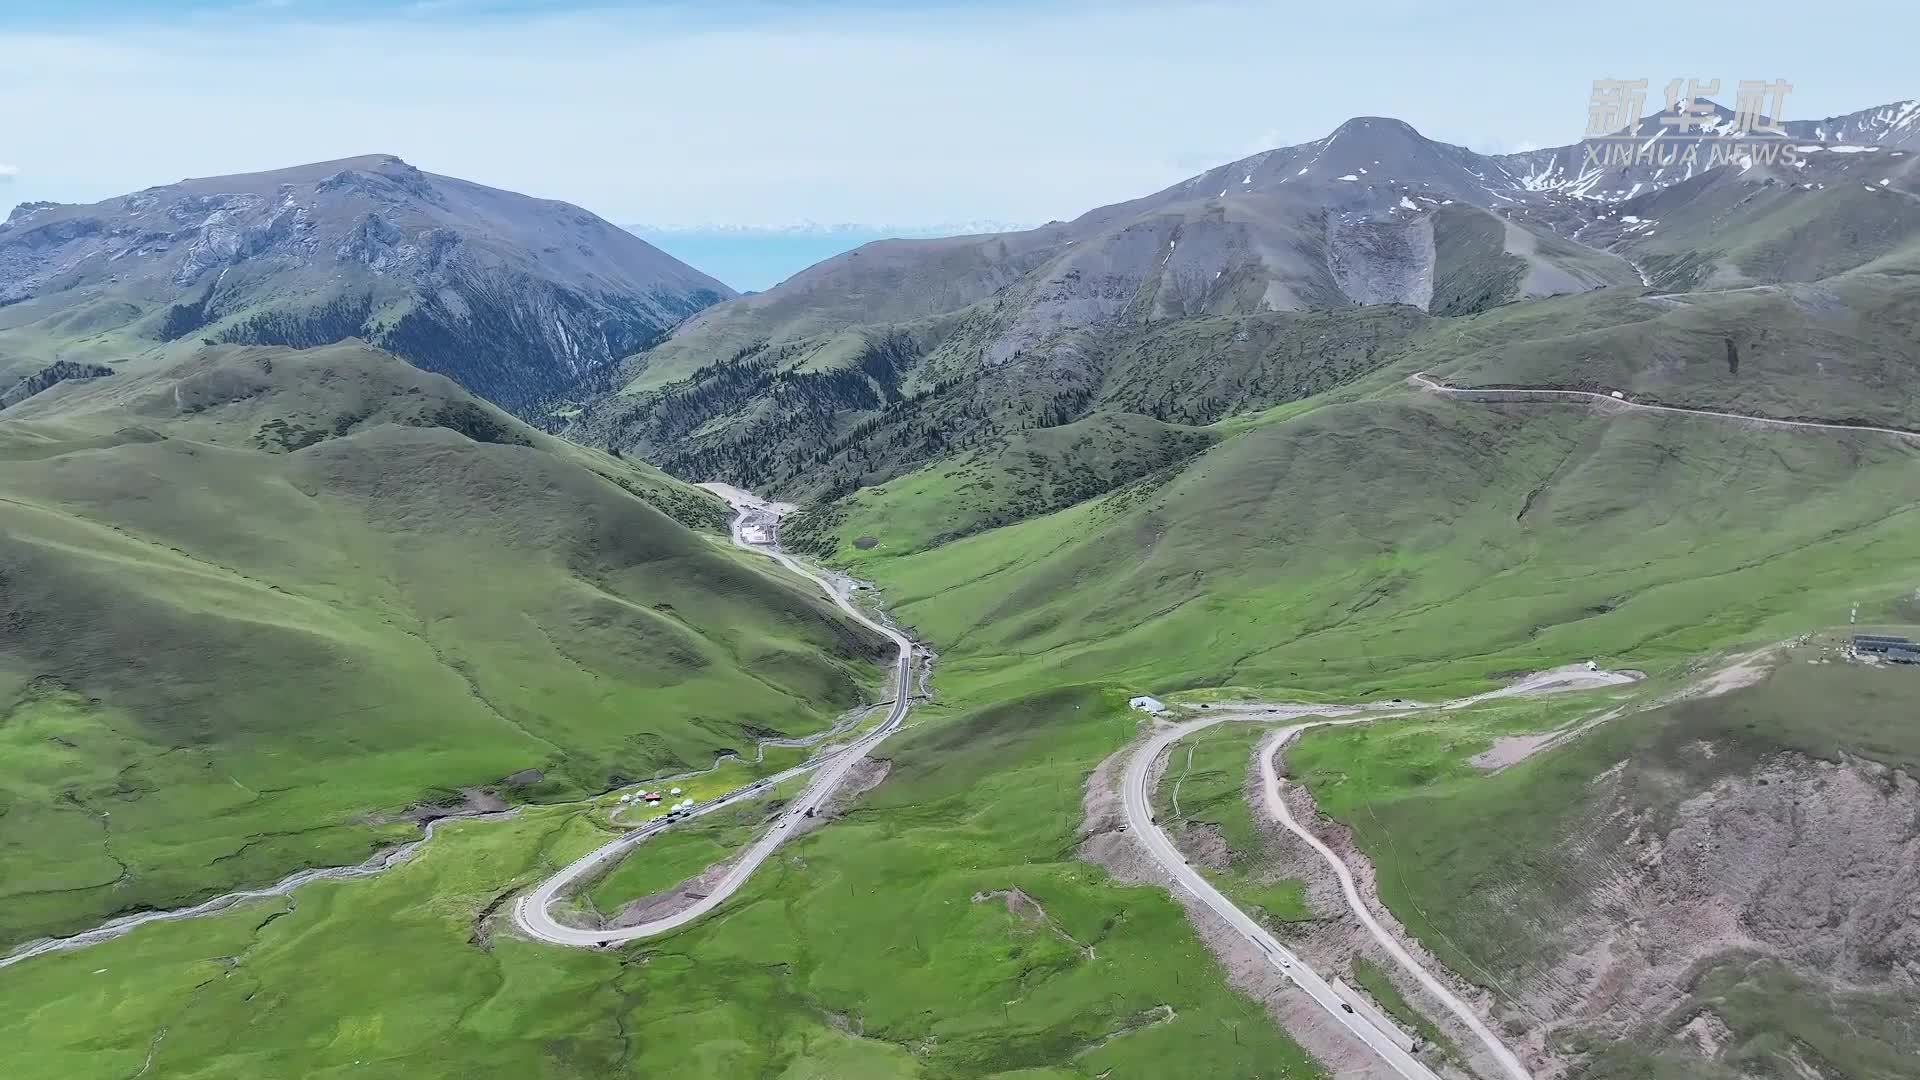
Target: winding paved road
{"x":1136,"y":793}
{"x":1136,"y":797}
{"x":531,"y":911}
{"x":1423,"y":380}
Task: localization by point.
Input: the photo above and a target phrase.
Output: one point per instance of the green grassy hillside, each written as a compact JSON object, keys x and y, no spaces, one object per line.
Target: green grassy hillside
{"x":254,"y":605}
{"x":1727,"y":229}
{"x":879,"y":948}
{"x":1373,"y":540}
{"x":1010,"y":479}
{"x":861,"y":951}
{"x":1342,"y":534}
{"x":1840,"y":350}
{"x":1411,"y":541}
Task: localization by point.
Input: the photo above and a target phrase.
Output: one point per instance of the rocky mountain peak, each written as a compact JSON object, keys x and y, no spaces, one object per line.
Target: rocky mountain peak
{"x":382,"y":177}
{"x":1376,"y":127}
{"x":430,"y":267}
{"x":27,"y":209}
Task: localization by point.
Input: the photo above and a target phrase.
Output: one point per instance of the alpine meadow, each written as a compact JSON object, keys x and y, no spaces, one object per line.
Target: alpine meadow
{"x":1374,"y":609}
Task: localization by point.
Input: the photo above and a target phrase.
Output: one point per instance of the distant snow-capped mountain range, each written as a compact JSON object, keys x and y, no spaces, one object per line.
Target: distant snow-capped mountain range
{"x":755,"y":257}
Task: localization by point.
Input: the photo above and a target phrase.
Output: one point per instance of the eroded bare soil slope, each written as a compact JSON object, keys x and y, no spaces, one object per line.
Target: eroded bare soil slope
{"x":1721,"y":887}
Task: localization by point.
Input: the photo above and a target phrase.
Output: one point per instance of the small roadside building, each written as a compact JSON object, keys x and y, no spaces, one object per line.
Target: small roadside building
{"x":1147,"y":704}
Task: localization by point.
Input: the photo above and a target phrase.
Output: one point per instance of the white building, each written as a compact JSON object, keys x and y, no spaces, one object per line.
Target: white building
{"x":1147,"y":704}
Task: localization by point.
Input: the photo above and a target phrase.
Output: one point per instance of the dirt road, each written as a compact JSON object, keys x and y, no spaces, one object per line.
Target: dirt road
{"x":1425,"y":382}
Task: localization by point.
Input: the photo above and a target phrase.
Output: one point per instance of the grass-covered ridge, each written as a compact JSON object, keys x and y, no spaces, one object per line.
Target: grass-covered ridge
{"x":1414,"y":542}
{"x":1724,"y":230}
{"x":226,"y":660}
{"x":1842,"y":350}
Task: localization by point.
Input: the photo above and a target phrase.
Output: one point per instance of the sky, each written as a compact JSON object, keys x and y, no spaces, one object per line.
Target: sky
{"x":850,"y":111}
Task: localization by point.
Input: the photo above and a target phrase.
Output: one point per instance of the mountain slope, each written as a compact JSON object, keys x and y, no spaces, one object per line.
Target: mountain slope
{"x":885,"y":282}
{"x":1841,"y":350}
{"x":1014,"y":330}
{"x":261,"y":602}
{"x":515,"y":298}
{"x":901,"y":353}
{"x":1772,"y":224}
{"x":1619,"y":896}
{"x":1379,"y":543}
{"x":1291,"y":519}
{"x":1395,"y":537}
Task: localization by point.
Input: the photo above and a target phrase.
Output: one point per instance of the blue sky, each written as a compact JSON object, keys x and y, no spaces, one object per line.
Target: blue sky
{"x":771,"y":113}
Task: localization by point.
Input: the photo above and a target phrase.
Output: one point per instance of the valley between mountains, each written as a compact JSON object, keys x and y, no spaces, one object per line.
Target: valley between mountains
{"x":346,"y":500}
